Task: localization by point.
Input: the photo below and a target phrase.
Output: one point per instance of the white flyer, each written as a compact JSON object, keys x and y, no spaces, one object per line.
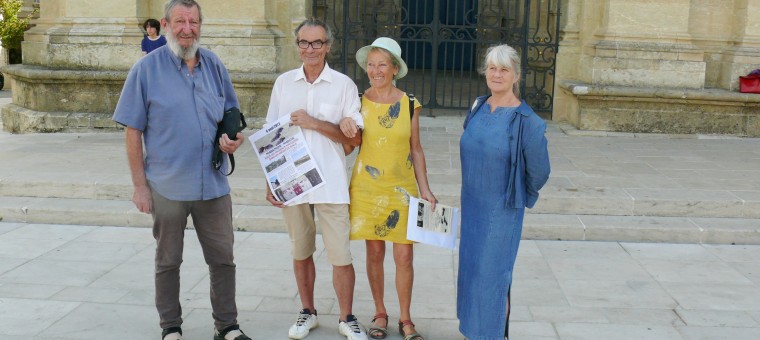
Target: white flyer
{"x":288,"y":165}
{"x":438,"y":228}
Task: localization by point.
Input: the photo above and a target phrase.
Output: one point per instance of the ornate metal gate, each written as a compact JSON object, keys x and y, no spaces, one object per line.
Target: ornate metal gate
{"x":444,"y":42}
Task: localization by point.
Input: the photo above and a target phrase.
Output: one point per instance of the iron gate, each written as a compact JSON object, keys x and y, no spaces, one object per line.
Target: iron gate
{"x":444,"y":42}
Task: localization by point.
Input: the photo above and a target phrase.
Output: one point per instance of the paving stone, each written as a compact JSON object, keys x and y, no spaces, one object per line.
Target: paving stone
{"x":686,"y":202}
{"x":56,"y":272}
{"x":715,"y":296}
{"x":588,"y":331}
{"x":28,"y":317}
{"x":90,"y":294}
{"x":669,"y":252}
{"x":94,"y":251}
{"x":102,"y":321}
{"x":640,"y":228}
{"x":600,"y":268}
{"x":714,"y":318}
{"x":711,"y":272}
{"x":552,"y":226}
{"x":617,"y":294}
{"x":729,"y":230}
{"x":643,"y":316}
{"x":27,"y":248}
{"x":568,"y":314}
{"x":28,"y":290}
{"x":7,"y":263}
{"x":733,"y":333}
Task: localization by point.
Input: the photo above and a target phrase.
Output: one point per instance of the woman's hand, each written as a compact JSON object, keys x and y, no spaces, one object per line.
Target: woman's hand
{"x":428,"y":196}
{"x":348,"y":127}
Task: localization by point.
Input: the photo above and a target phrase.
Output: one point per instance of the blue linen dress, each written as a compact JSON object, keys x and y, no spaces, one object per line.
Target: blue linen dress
{"x":491,"y":229}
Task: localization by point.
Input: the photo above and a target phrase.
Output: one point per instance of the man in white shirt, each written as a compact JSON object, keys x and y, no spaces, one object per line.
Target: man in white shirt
{"x":316,"y":97}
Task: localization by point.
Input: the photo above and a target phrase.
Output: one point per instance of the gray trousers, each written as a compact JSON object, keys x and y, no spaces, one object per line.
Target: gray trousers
{"x":213,"y":224}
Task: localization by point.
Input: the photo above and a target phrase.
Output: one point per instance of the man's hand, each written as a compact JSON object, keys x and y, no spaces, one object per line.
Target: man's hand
{"x":229,"y":146}
{"x":272,"y":200}
{"x":142,"y":199}
{"x":348,"y":127}
{"x":302,"y":119}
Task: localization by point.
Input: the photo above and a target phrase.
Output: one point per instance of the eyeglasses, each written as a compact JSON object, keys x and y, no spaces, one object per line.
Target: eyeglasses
{"x":316,"y":44}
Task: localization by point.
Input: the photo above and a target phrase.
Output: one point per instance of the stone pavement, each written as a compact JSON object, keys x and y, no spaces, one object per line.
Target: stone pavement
{"x":90,"y":282}
{"x":677,"y":217}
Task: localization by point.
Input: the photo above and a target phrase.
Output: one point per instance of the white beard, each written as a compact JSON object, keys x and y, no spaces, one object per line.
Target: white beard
{"x":184,"y":53}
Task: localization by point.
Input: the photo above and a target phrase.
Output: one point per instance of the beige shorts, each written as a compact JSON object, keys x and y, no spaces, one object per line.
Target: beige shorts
{"x":332,"y":220}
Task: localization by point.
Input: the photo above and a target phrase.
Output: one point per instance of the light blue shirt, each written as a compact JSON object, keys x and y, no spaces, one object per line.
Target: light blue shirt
{"x":178,"y":114}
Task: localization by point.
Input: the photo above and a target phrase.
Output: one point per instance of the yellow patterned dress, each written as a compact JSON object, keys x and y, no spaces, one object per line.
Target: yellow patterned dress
{"x":383,"y":175}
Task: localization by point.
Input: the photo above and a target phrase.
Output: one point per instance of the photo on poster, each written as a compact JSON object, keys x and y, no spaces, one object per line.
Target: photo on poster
{"x":437,"y":227}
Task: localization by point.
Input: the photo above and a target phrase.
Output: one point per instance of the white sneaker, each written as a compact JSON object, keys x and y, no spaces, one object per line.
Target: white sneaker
{"x":351,"y":329}
{"x":304,"y":323}
{"x":173,"y":336}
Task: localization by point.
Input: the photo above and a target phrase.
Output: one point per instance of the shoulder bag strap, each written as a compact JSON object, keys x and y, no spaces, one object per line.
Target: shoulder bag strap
{"x":411,"y":105}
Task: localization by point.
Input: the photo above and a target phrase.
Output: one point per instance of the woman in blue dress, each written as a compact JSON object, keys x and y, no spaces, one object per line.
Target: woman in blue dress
{"x":505,"y":162}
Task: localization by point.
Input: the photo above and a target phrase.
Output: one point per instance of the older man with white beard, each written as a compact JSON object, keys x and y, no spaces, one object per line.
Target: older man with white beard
{"x":172,"y":100}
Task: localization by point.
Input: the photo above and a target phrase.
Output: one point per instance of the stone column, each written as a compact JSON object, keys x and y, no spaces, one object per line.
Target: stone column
{"x":86,"y":35}
{"x":569,"y":56}
{"x":710,"y":23}
{"x":647,"y":44}
{"x":77,"y":57}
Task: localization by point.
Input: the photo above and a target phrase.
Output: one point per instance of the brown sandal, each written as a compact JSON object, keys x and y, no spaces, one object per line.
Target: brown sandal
{"x":411,"y":336}
{"x":376,"y":332}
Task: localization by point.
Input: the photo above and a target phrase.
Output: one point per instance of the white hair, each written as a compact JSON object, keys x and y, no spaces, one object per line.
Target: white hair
{"x":504,"y":56}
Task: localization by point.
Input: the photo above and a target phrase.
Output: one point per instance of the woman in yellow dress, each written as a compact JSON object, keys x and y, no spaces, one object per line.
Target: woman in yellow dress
{"x":389,"y":168}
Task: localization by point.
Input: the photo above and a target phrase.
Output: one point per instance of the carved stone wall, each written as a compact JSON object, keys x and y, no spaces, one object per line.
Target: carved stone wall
{"x":77,"y":56}
{"x":671,"y":55}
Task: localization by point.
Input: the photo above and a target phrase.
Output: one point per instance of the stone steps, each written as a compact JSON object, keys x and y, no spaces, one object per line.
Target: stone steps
{"x":119,"y":213}
{"x":555,"y":198}
{"x":538,"y":225}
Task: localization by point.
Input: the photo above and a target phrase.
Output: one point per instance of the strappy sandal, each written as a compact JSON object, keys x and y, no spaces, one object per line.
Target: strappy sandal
{"x":377,"y":332}
{"x":411,"y":336}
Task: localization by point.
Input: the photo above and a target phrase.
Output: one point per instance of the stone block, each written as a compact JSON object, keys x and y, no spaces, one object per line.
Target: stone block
{"x":753,"y":125}
{"x":242,"y":58}
{"x":550,"y":226}
{"x":79,"y":121}
{"x":10,"y":119}
{"x":648,"y":73}
{"x":666,"y":18}
{"x":92,"y":57}
{"x":664,"y":110}
{"x":103,"y":121}
{"x":54,"y":122}
{"x":75,"y":100}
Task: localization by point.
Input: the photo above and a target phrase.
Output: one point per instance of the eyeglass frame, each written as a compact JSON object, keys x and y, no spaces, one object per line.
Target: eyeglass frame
{"x":311,"y":43}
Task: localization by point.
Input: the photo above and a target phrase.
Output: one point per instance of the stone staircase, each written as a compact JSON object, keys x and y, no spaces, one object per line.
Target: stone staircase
{"x":84,"y":179}
{"x":561,"y":214}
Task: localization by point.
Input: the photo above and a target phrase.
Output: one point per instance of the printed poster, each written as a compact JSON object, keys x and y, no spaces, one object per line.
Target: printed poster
{"x":286,"y":159}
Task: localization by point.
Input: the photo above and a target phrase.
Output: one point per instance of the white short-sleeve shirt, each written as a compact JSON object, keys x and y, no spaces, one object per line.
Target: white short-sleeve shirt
{"x":330,"y":98}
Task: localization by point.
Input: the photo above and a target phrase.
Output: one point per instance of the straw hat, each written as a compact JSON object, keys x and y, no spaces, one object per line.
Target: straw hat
{"x":387,"y":44}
